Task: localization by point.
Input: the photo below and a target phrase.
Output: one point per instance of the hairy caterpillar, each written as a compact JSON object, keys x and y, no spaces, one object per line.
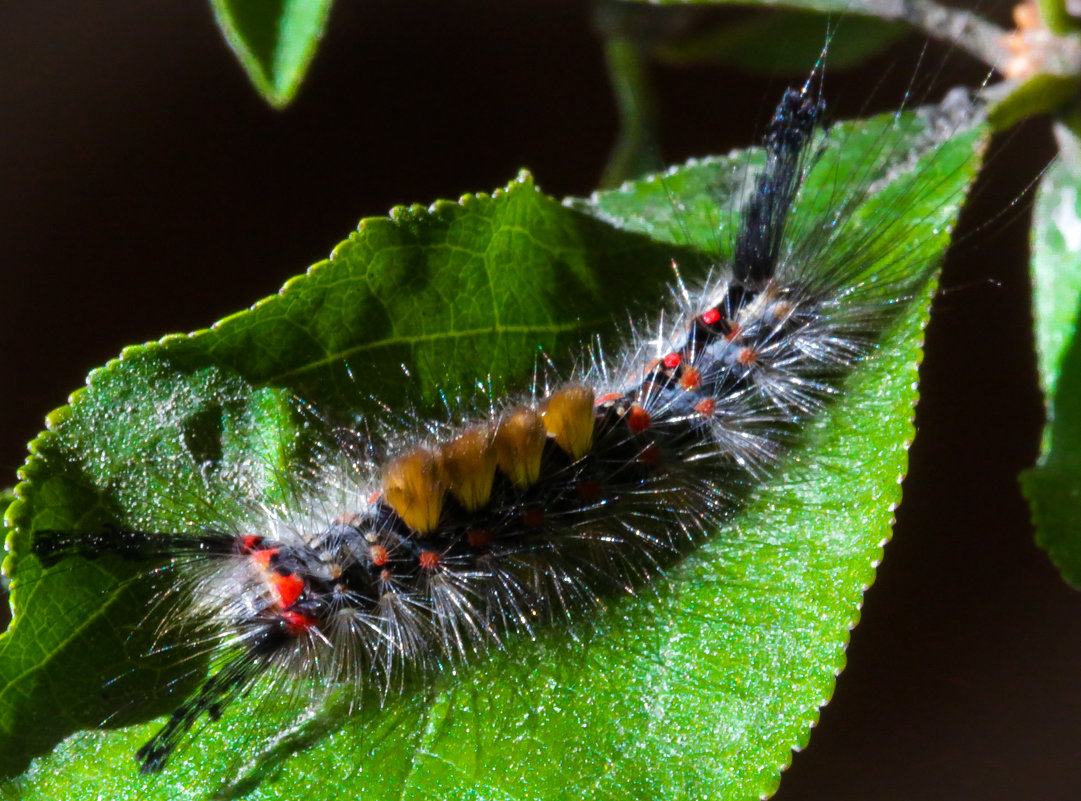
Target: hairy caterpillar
{"x":770,"y":338}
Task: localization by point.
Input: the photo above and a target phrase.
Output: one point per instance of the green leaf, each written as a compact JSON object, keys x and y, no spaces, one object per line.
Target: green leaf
{"x":1053,"y":487}
{"x":274,"y":40}
{"x":7,"y":497}
{"x":841,"y":7}
{"x":1058,"y":17}
{"x":780,"y":41}
{"x":1041,"y":94}
{"x":698,"y":687}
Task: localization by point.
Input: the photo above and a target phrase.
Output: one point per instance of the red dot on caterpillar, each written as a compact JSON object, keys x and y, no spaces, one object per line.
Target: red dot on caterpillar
{"x":638,"y":419}
{"x":747,"y":356}
{"x":297,"y":623}
{"x":264,"y":557}
{"x":287,"y":588}
{"x":690,"y":379}
{"x":429,"y":560}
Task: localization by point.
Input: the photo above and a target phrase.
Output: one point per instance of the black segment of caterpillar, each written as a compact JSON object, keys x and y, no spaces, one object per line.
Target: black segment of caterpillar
{"x":548,"y":507}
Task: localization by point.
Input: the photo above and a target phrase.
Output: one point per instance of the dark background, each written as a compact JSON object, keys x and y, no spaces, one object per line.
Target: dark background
{"x":145,"y":189}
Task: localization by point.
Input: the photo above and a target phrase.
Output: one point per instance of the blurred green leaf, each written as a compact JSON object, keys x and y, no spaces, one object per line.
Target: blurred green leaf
{"x":1058,"y":16}
{"x":1040,"y":94}
{"x":1053,"y":487}
{"x":780,"y":41}
{"x":841,"y":7}
{"x":275,"y":41}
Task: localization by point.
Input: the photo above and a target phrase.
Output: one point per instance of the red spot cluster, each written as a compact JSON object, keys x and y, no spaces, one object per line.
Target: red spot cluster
{"x":285,"y":587}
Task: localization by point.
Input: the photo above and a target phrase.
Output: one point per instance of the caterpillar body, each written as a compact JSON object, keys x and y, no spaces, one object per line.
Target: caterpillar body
{"x":546,"y":510}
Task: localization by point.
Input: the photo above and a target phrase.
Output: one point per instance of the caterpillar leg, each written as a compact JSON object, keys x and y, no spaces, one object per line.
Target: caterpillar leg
{"x":217,"y":692}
